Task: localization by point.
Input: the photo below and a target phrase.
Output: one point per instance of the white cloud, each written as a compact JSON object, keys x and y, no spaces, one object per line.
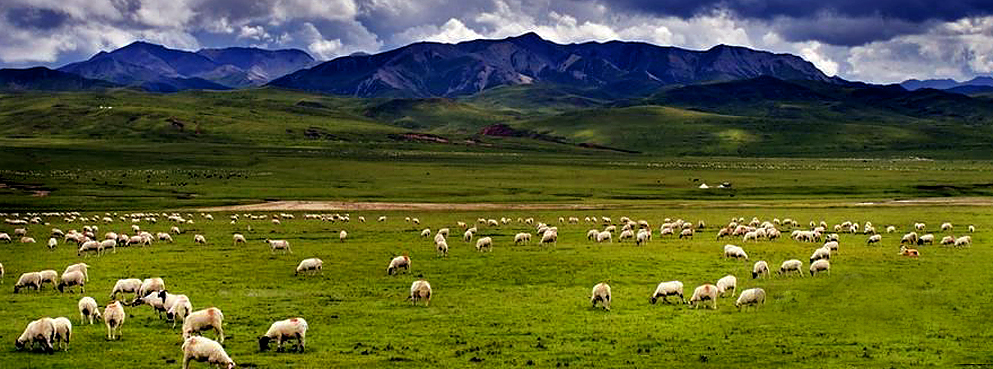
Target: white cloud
{"x":283,"y":10}
{"x":254,"y":33}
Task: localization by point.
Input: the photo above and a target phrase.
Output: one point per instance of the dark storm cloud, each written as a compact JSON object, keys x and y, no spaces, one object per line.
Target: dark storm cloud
{"x":36,"y":18}
{"x":907,"y":10}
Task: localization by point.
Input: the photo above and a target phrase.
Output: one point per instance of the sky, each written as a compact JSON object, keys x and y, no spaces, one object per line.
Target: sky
{"x":879,"y":41}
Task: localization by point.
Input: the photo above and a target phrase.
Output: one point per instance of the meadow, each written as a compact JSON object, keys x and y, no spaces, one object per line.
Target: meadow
{"x":529,"y":305}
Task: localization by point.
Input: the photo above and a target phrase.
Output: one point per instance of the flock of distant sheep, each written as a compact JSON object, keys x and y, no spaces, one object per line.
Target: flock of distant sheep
{"x":46,"y":332}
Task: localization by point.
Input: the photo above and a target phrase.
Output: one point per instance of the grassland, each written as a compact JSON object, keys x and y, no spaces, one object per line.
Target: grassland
{"x":524,"y":305}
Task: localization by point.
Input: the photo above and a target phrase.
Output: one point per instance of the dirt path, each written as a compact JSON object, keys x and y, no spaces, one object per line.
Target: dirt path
{"x":384,"y":206}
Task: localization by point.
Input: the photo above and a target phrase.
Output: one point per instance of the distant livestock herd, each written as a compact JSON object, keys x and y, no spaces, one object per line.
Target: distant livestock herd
{"x":49,"y":334}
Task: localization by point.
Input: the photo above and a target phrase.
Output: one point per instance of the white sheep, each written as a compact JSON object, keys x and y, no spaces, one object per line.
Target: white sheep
{"x":175,"y":230}
{"x":686,"y":233}
{"x":53,"y":243}
{"x":205,"y":349}
{"x":284,"y":330}
{"x":419,"y":290}
{"x":5,"y":237}
{"x":130,"y":285}
{"x":703,"y":293}
{"x":522,"y":238}
{"x":467,"y":236}
{"x":831,"y":245}
{"x":49,"y":276}
{"x":109,"y":244}
{"x":40,"y":332}
{"x":113,"y":317}
{"x":604,"y":236}
{"x":426,"y":232}
{"x":63,"y":332}
{"x":601,"y":293}
{"x":820,"y":266}
{"x":82,"y":267}
{"x":342,"y":235}
{"x":792,"y":265}
{"x":822,"y":253}
{"x":28,"y":280}
{"x":441,"y":246}
{"x":643,"y":237}
{"x":760,"y":268}
{"x":550,"y":236}
{"x":199,"y":238}
{"x":28,"y":240}
{"x":732,"y":251}
{"x":751,"y":296}
{"x":151,"y":285}
{"x":73,"y":278}
{"x":963,"y":241}
{"x":972,"y":229}
{"x":88,"y":309}
{"x":728,"y":282}
{"x":89,"y":246}
{"x":484,"y":243}
{"x":946,"y":226}
{"x":162,"y":236}
{"x":874,"y":239}
{"x":278,"y":244}
{"x":402,"y":261}
{"x":666,"y":289}
{"x":238,"y":238}
{"x":312,"y":264}
{"x":177,"y":307}
{"x":201,"y":320}
{"x":592,"y":234}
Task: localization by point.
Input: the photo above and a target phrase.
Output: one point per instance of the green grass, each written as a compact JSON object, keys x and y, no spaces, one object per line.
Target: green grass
{"x":529,"y":303}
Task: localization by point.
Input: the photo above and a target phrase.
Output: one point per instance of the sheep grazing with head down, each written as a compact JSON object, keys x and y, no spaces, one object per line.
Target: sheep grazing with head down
{"x":82,"y":267}
{"x":946,"y":226}
{"x":909,"y":238}
{"x":822,"y":253}
{"x":63,"y":332}
{"x":601,"y":294}
{"x":313,"y":265}
{"x":666,"y":289}
{"x":49,"y":276}
{"x":874,"y":239}
{"x":420,"y":290}
{"x":342,"y":235}
{"x":927,"y":239}
{"x":820,"y":266}
{"x":441,"y":246}
{"x":426,"y":232}
{"x":150,"y":285}
{"x":727,"y":283}
{"x":790,"y":266}
{"x":972,"y":229}
{"x":205,"y":349}
{"x":40,"y":332}
{"x":759,"y":269}
{"x":285,"y":330}
{"x":73,"y":278}
{"x":130,"y":285}
{"x":703,"y":293}
{"x":238,"y":238}
{"x":113,"y":316}
{"x":278,"y":244}
{"x":177,"y":306}
{"x":550,"y":236}
{"x":52,"y":243}
{"x":963,"y":241}
{"x":751,"y":296}
{"x":402,"y":261}
{"x":201,"y":320}
{"x":28,"y":280}
{"x":948,"y":240}
{"x":88,"y":309}
{"x":89,"y":246}
{"x":522,"y":238}
{"x":604,"y":236}
{"x":732,"y":251}
{"x":485,"y":243}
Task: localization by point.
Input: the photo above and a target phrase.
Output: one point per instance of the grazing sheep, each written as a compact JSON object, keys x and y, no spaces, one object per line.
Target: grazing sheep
{"x":920,"y":226}
{"x":874,"y":239}
{"x":820,"y":266}
{"x":278,"y":244}
{"x":284,"y":330}
{"x":52,"y":243}
{"x":201,"y":320}
{"x":20,"y":232}
{"x":909,"y":252}
{"x":972,"y":229}
{"x":728,"y":282}
{"x":28,"y":240}
{"x":162,"y":236}
{"x":643,"y":237}
{"x":130,"y":285}
{"x":402,"y":261}
{"x":909,"y":238}
{"x":5,"y":237}
{"x":948,"y":240}
{"x":963,"y":241}
{"x":444,"y":232}
{"x":890,"y":229}
{"x":175,"y":230}
{"x":760,"y":268}
{"x":63,"y":332}
{"x":601,"y":293}
{"x":40,"y":332}
{"x":441,"y":246}
{"x":592,"y":234}
{"x":426,"y":232}
{"x":49,"y":276}
{"x":177,"y":307}
{"x":420,"y":289}
{"x":238,"y":238}
{"x":703,"y":293}
{"x":73,"y":278}
{"x":604,"y":236}
{"x":627,"y":233}
{"x":342,"y":235}
{"x":831,"y":245}
{"x":313,"y":264}
{"x":926,"y":239}
{"x":88,"y":309}
{"x":687,"y":232}
{"x":199,"y":238}
{"x":550,"y":236}
{"x":822,"y":253}
{"x":666,"y":289}
{"x":484,"y":243}
{"x":732,"y":251}
{"x":792,"y":265}
{"x":522,"y":238}
{"x":751,"y":296}
{"x":150,"y":285}
{"x":113,"y":316}
{"x":205,"y":349}
{"x":28,"y":280}
{"x":82,"y":267}
{"x":110,"y":244}
{"x":89,"y":246}
{"x":946,"y":226}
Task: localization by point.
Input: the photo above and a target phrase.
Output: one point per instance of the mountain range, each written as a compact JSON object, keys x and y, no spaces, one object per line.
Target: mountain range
{"x":976,"y":85}
{"x":611,"y":69}
{"x":157,"y":68}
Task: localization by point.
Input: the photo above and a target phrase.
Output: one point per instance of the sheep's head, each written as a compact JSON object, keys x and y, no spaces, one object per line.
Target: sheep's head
{"x":264,"y":343}
{"x":653,"y":299}
{"x":18,"y":344}
{"x":62,"y":286}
